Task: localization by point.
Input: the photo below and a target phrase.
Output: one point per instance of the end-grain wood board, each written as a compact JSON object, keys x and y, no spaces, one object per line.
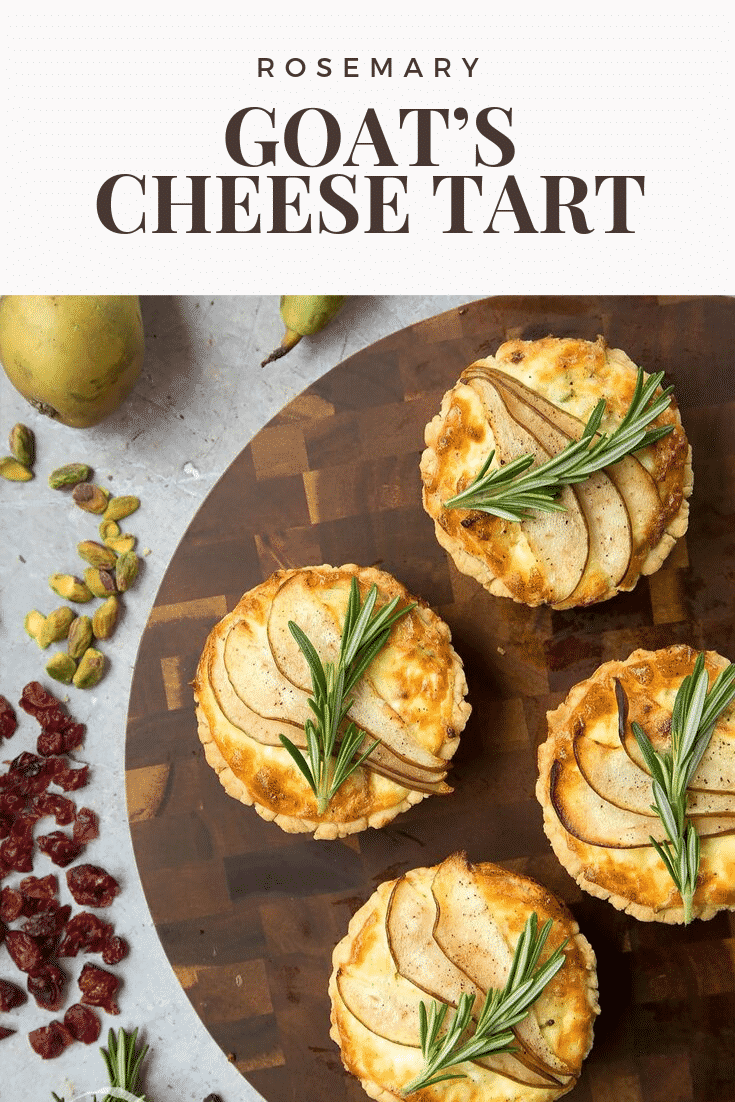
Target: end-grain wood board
{"x":248,"y":915}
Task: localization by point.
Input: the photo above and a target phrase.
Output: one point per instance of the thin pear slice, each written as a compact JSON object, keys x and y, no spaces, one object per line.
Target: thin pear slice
{"x":302,"y":602}
{"x":608,"y":523}
{"x":612,"y":775}
{"x":409,"y":923}
{"x":255,"y":677}
{"x":635,"y":484}
{"x":558,"y":540}
{"x":268,"y":732}
{"x":469,"y":937}
{"x":592,"y":819}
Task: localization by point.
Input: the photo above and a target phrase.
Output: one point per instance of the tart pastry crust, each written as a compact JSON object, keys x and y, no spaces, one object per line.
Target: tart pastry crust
{"x":249,"y":688}
{"x":596,"y":794}
{"x":402,"y":948}
{"x":534,"y":396}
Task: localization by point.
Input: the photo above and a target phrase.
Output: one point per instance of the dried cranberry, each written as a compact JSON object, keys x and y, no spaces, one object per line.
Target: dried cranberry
{"x":52,"y":803}
{"x":36,"y":700}
{"x":86,"y":826}
{"x":91,"y":886}
{"x":31,"y":774}
{"x":3,"y":931}
{"x":12,"y":803}
{"x":25,"y":952}
{"x":37,"y":891}
{"x":73,"y":736}
{"x":11,"y":995}
{"x":50,"y":1040}
{"x":16,"y":855}
{"x":67,"y":778}
{"x":11,"y":904}
{"x":46,"y":984}
{"x":5,"y":1032}
{"x":48,"y":923}
{"x":82,"y":1023}
{"x":99,"y":988}
{"x":5,"y":824}
{"x":50,"y":742}
{"x":8,"y":722}
{"x":85,"y":931}
{"x":22,"y":828}
{"x":116,"y":949}
{"x":59,"y":847}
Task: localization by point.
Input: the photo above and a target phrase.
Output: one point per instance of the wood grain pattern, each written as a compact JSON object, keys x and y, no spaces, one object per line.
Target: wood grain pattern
{"x":248,"y":915}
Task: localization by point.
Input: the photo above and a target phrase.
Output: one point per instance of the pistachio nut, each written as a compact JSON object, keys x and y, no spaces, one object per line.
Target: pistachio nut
{"x":64,"y":477}
{"x":70,"y":588}
{"x":100,"y":582}
{"x":55,"y":626}
{"x":33,"y":622}
{"x":23,"y":444}
{"x":121,"y":544}
{"x":79,"y":637}
{"x":13,"y":471}
{"x":61,"y":667}
{"x":109,"y":530}
{"x":96,"y":554}
{"x":90,"y":669}
{"x":89,"y":497}
{"x":126,"y":570}
{"x":121,"y":507}
{"x":105,"y":618}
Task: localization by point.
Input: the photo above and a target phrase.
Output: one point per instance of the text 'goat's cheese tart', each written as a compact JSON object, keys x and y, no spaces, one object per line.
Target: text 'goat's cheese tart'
{"x":253,"y":685}
{"x":440,"y":933}
{"x":597,"y":796}
{"x":531,"y":399}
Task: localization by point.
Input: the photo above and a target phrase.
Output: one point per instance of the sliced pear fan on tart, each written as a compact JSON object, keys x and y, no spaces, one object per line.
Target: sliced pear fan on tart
{"x":438,"y":934}
{"x":597,"y":796}
{"x":253,"y":687}
{"x":532,"y":399}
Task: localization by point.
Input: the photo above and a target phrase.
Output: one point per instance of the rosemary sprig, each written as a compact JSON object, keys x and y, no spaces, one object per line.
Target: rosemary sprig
{"x":512,"y":491}
{"x":503,"y":1008}
{"x":123,"y":1065}
{"x":693,"y":720}
{"x":363,"y":636}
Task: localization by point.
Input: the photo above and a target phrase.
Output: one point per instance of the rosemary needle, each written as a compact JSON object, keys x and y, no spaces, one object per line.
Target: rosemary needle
{"x":512,"y":491}
{"x":693,"y":720}
{"x":503,"y":1008}
{"x":363,"y":636}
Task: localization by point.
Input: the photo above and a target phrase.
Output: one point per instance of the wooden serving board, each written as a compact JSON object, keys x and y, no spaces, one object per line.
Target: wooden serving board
{"x":248,"y":915}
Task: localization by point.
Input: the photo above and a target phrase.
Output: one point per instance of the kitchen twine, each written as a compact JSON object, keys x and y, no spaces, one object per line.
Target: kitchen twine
{"x":110,"y":1092}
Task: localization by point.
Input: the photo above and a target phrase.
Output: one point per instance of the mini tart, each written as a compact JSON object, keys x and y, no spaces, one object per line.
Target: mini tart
{"x":435,"y":933}
{"x":252,"y":685}
{"x":533,"y":397}
{"x":597,"y":796}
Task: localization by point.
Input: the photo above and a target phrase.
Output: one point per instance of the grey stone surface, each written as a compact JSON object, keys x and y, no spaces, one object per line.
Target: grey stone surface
{"x":201,"y":397}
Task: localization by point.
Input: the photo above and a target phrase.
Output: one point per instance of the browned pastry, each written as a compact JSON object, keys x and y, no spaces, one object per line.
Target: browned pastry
{"x":252,"y":685}
{"x":533,"y":397}
{"x":436,"y":933}
{"x":597,"y":796}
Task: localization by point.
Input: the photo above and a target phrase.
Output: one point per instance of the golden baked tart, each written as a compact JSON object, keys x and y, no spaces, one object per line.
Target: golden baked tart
{"x":447,"y":933}
{"x":532,"y":398}
{"x":596,"y":788}
{"x":253,"y":685}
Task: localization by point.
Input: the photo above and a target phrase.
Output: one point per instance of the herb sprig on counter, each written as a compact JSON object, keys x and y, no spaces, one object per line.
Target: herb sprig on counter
{"x":502,"y":1010}
{"x":363,"y":636}
{"x":693,"y":720}
{"x":123,"y":1062}
{"x":512,"y":491}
